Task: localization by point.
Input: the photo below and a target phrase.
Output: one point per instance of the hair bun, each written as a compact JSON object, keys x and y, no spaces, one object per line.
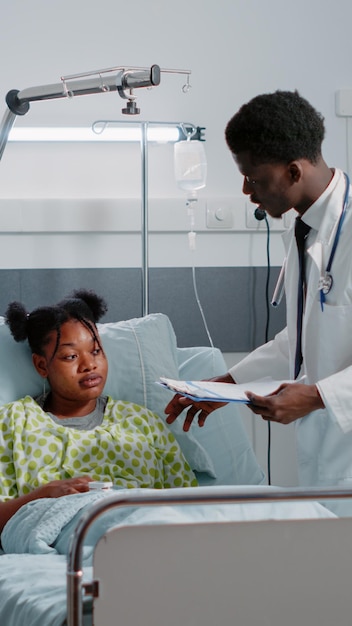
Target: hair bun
{"x":16,"y":317}
{"x":95,"y":303}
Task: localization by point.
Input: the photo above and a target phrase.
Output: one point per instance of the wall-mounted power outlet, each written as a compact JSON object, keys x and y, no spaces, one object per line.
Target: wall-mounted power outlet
{"x":251,"y":220}
{"x":219,"y":214}
{"x":252,"y":223}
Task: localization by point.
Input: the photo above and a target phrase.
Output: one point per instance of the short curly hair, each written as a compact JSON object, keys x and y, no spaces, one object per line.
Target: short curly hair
{"x":277,"y":127}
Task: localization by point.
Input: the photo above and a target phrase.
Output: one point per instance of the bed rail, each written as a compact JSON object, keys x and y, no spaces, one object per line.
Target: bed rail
{"x":184,"y":496}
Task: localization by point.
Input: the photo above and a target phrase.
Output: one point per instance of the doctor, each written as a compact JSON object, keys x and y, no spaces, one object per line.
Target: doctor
{"x":275,"y":140}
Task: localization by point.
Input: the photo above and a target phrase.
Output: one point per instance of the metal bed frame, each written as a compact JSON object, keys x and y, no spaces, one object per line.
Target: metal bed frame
{"x":285,"y":541}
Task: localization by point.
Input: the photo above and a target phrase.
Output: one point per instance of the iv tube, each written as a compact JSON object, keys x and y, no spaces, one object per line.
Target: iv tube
{"x":192,"y":247}
{"x":190,"y":174}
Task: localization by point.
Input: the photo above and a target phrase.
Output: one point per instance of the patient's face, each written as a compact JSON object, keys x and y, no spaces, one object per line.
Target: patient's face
{"x":78,"y":370}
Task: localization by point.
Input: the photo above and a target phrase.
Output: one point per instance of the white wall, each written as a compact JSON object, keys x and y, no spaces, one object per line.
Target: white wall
{"x":235,"y":50}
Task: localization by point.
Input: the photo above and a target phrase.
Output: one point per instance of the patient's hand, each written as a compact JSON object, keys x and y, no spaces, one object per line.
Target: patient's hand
{"x":54,"y":489}
{"x":200,"y":410}
{"x":65,"y":487}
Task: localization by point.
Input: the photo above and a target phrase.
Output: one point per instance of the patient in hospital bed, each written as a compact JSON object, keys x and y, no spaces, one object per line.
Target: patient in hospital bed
{"x":55,"y":444}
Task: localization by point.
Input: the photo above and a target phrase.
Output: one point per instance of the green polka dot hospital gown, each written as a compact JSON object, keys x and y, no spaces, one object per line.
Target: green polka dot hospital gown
{"x":132,"y":447}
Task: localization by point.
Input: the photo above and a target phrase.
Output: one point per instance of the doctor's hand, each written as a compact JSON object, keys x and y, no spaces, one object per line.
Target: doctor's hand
{"x":287,"y":404}
{"x":198,"y":410}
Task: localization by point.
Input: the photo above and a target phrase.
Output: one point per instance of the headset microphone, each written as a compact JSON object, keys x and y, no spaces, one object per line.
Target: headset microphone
{"x":259,"y":214}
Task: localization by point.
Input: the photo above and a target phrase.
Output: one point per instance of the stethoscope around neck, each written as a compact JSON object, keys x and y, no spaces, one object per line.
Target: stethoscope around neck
{"x":325,"y":281}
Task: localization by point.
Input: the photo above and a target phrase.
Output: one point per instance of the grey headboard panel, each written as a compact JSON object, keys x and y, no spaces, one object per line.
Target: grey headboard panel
{"x":233,"y":299}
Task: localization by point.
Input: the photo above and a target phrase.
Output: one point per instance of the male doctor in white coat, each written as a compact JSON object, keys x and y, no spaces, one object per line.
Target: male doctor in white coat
{"x":275,"y":140}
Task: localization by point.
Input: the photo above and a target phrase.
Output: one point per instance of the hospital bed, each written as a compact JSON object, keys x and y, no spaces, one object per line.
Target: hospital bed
{"x":232,"y":551}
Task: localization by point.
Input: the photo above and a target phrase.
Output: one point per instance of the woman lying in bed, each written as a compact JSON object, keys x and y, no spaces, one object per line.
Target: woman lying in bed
{"x":56,"y":444}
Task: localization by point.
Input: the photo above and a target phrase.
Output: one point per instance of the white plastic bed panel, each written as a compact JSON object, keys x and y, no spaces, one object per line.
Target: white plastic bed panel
{"x":265,"y":573}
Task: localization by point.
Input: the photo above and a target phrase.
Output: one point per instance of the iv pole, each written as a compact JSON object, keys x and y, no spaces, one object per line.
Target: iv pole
{"x":185,"y":129}
{"x":145,"y":227}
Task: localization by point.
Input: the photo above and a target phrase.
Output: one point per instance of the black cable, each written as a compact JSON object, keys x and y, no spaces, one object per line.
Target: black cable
{"x":260,"y":215}
{"x":267,"y":303}
{"x":267,"y":298}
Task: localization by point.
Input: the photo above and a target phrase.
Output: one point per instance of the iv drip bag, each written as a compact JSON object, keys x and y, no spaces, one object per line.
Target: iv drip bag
{"x":190,"y":165}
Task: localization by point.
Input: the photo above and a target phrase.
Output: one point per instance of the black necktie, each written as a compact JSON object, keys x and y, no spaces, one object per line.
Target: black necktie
{"x":301,"y":233}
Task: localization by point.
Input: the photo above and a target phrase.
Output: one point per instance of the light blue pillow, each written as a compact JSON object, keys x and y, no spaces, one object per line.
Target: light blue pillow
{"x":17,"y":374}
{"x":139,"y":351}
{"x":223,"y":436}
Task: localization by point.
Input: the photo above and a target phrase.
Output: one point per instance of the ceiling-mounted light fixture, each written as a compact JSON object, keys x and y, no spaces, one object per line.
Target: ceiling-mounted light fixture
{"x":165,"y":134}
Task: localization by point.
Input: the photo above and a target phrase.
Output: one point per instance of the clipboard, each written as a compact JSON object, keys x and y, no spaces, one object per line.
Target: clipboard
{"x":209,"y":391}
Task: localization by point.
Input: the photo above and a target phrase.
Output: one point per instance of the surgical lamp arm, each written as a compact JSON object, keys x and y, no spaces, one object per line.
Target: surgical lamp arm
{"x":79,"y":85}
{"x":17,"y":101}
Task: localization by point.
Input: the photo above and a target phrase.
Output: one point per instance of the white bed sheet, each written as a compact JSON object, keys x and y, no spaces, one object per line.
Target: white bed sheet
{"x":33,"y":590}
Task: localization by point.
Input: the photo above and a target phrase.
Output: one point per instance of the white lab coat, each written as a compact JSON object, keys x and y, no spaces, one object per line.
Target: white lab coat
{"x":324,"y":437}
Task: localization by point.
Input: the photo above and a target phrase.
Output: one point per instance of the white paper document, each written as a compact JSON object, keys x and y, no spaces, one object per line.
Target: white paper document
{"x":203,"y":390}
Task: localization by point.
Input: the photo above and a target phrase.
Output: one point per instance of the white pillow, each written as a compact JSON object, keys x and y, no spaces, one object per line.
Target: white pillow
{"x":139,"y":351}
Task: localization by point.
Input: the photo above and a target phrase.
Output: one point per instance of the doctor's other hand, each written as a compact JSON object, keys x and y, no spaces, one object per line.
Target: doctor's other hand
{"x":288,"y":403}
{"x":198,"y":410}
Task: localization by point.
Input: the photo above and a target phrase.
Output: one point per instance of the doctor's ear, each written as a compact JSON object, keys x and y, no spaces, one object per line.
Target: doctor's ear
{"x":295,"y":170}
